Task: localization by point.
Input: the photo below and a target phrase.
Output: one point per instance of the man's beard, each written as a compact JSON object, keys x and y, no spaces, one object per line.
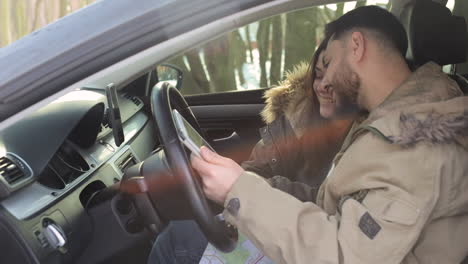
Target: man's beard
{"x":346,"y":86}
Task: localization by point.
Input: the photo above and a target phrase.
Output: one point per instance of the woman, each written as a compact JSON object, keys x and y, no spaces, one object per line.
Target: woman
{"x":298,"y":143}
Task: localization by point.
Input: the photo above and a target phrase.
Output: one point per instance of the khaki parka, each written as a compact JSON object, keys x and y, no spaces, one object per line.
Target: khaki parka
{"x":397,"y":191}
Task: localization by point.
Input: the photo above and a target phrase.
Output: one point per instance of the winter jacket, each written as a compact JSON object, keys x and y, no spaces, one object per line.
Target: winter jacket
{"x":396,"y":192}
{"x":296,"y":147}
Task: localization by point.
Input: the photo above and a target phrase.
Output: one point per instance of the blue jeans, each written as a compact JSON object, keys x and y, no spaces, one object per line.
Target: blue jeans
{"x":182,"y":242}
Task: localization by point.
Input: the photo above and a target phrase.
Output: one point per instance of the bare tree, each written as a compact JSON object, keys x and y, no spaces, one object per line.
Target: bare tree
{"x":276,"y":50}
{"x":197,"y":71}
{"x":5,"y":32}
{"x":219,"y":64}
{"x":360,"y":3}
{"x":263,"y":46}
{"x":339,"y":10}
{"x":300,"y":36}
{"x":249,"y":42}
{"x":189,"y":85}
{"x":63,"y":7}
{"x":37,"y":13}
{"x":238,"y":54}
{"x":18,"y":20}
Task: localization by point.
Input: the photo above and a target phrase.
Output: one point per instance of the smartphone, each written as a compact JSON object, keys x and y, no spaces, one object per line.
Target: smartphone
{"x":188,"y":135}
{"x":115,"y":121}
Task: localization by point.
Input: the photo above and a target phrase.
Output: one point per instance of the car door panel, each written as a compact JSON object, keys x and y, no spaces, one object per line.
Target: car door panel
{"x":230,"y":120}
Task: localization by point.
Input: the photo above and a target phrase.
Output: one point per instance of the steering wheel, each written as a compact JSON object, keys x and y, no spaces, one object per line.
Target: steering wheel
{"x":164,"y":98}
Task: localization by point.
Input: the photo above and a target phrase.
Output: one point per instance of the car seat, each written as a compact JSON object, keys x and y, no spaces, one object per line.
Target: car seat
{"x":434,"y":34}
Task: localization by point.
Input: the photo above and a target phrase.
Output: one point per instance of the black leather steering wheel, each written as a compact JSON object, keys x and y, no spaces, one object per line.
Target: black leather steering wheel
{"x":164,"y":98}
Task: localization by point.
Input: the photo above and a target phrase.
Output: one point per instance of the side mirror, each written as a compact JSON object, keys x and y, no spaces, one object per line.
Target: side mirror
{"x":169,"y":73}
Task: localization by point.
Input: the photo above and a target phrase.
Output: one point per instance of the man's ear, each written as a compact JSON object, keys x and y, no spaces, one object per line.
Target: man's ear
{"x":357,"y":46}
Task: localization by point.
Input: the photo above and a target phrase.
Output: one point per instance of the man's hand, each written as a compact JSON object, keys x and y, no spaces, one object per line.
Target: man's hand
{"x":218,"y":174}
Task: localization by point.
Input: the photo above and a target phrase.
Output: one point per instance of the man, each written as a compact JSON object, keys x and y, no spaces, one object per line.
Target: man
{"x":396,"y":192}
{"x":296,"y":128}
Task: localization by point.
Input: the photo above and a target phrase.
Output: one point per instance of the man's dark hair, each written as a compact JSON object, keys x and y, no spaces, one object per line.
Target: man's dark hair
{"x":389,"y":30}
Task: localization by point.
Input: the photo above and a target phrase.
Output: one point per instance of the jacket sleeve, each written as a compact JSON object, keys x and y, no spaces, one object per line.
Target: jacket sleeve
{"x":258,"y":163}
{"x":299,"y":190}
{"x":381,"y":229}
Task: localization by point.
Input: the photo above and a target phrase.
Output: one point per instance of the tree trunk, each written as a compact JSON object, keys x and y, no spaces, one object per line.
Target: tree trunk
{"x":63,"y":7}
{"x":84,"y":3}
{"x":42,"y":15}
{"x":263,"y":46}
{"x":48,"y":11}
{"x":249,"y":42}
{"x":300,"y":37}
{"x":197,"y":72}
{"x":361,"y":3}
{"x":276,"y":50}
{"x":37,"y":13}
{"x":5,"y":33}
{"x":327,"y":13}
{"x":238,"y":53}
{"x":339,"y":10}
{"x":189,"y":86}
{"x":21,"y":27}
{"x":75,"y":5}
{"x":220,"y":66}
{"x":15,"y":21}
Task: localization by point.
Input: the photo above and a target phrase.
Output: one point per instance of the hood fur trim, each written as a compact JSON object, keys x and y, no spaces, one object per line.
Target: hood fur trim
{"x":429,"y":107}
{"x":435,"y":128}
{"x":293,"y":98}
{"x":425,"y":85}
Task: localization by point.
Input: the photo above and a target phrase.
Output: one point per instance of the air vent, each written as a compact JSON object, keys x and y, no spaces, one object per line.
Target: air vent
{"x":134,"y":99}
{"x":10,"y":171}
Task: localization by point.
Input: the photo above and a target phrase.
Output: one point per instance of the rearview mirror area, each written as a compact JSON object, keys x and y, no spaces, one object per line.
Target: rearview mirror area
{"x":169,"y":73}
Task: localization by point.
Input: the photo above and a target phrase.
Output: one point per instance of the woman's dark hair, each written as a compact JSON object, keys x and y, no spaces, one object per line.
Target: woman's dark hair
{"x":313,"y":63}
{"x":312,"y":75}
{"x":325,"y":137}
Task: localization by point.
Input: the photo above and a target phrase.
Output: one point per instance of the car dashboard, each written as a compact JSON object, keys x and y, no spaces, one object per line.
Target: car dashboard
{"x":53,"y":164}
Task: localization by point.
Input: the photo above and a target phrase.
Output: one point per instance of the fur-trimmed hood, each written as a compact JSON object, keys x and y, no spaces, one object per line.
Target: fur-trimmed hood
{"x":293,"y":98}
{"x":429,"y":107}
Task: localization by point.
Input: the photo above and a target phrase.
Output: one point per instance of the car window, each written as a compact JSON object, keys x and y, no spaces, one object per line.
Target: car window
{"x":19,"y":18}
{"x":259,"y":54}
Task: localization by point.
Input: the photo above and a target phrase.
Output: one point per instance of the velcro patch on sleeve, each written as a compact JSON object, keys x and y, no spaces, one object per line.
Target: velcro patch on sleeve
{"x":369,"y":226}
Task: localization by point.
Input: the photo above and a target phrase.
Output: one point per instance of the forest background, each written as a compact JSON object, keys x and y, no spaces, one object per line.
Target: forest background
{"x":257,"y":55}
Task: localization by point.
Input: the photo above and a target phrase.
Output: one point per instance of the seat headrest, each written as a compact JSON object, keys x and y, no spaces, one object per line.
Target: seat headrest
{"x":434,"y":34}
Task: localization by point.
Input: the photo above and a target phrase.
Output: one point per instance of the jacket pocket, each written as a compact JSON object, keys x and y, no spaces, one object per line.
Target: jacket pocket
{"x":391,"y":209}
